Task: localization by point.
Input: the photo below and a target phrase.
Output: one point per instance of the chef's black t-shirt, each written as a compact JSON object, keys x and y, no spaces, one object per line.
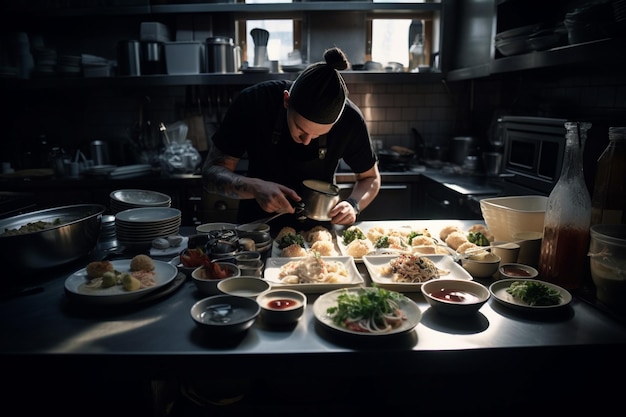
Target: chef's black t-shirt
{"x":255,"y":127}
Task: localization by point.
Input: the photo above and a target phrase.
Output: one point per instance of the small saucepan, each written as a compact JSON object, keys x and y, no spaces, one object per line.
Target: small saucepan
{"x":319,"y":197}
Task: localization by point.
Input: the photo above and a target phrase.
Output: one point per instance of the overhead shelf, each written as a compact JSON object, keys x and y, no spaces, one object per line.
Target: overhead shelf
{"x":351,"y":77}
{"x":594,"y":53}
{"x":308,"y":6}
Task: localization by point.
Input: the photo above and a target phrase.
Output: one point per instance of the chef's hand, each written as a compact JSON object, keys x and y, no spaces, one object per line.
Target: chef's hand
{"x":274,"y":198}
{"x":342,"y":213}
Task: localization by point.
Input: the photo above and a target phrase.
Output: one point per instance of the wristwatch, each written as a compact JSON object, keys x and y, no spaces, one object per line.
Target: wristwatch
{"x":354,"y":204}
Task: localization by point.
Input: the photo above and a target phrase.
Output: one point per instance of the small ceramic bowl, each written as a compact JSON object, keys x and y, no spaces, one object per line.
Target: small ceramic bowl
{"x":517,"y":271}
{"x":481,"y":266}
{"x":242,"y":229}
{"x":225,"y":314}
{"x":209,"y":227}
{"x":281,"y":306}
{"x":247,"y":257}
{"x":455,"y":297}
{"x":243,"y":286}
{"x":207,"y":285}
{"x":255,"y":269}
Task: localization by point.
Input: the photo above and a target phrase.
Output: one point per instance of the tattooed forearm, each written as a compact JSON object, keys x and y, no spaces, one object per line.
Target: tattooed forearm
{"x":220,"y":180}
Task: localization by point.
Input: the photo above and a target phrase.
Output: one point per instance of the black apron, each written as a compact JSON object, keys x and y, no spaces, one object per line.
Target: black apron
{"x":311,"y":163}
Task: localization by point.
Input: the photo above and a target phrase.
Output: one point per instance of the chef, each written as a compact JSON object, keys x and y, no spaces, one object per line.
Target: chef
{"x":292,"y":131}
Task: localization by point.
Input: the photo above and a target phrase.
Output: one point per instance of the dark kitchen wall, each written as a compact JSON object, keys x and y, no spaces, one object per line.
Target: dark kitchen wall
{"x":73,"y":117}
{"x":593,"y":94}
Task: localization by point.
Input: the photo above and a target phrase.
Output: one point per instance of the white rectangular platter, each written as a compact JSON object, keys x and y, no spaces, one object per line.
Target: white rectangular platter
{"x":399,"y":229}
{"x":374,"y":263}
{"x":353,"y":278}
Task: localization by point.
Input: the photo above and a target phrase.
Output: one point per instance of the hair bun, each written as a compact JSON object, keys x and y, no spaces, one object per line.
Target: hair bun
{"x":336,"y":58}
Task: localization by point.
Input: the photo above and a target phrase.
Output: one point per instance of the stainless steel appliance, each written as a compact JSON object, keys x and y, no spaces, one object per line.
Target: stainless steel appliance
{"x":534,"y":148}
{"x":532,"y":158}
{"x":533,"y":151}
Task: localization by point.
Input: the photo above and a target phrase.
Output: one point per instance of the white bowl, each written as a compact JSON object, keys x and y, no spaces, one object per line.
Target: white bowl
{"x":252,"y":269}
{"x":455,"y":297}
{"x":505,"y":216}
{"x":209,"y":286}
{"x":209,"y":227}
{"x":281,"y":306}
{"x":243,"y":286}
{"x":248,"y":258}
{"x":481,"y":267}
{"x":252,"y":227}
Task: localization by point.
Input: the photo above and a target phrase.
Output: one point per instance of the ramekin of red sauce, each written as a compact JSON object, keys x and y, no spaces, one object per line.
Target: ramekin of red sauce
{"x":517,"y":271}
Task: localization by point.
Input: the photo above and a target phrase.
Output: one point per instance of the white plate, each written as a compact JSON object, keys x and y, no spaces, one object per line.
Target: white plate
{"x":273,"y":265}
{"x":343,"y":249}
{"x":75,"y":284}
{"x":373,"y":263}
{"x":147,"y":214}
{"x":498,"y":291}
{"x":141,"y":197}
{"x":409,"y":307}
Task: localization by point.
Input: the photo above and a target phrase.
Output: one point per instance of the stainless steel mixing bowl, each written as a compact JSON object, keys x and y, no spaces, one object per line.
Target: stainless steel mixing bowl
{"x":75,"y":235}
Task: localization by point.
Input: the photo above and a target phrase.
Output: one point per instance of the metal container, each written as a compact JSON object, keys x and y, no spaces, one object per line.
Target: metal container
{"x":75,"y":235}
{"x":220,"y":54}
{"x":319,"y":198}
{"x":152,"y":58}
{"x":462,"y":147}
{"x":100,"y":152}
{"x":493,"y":163}
{"x":129,"y":57}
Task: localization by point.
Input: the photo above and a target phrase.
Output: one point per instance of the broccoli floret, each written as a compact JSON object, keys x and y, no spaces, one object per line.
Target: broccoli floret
{"x":382,"y":242}
{"x":289,"y":239}
{"x":352,"y":233}
{"x":412,"y":235}
{"x":478,"y":239}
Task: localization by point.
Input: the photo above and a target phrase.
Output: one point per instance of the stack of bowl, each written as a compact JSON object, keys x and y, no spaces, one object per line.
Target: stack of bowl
{"x":260,"y":234}
{"x":121,"y":200}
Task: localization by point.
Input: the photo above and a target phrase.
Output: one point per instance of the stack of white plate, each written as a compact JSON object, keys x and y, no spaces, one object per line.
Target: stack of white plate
{"x":121,"y":200}
{"x":140,"y":226}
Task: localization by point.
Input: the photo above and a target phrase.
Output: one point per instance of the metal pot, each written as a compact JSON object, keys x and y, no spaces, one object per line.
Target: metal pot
{"x":393,"y":157}
{"x":75,"y":236}
{"x":319,"y":198}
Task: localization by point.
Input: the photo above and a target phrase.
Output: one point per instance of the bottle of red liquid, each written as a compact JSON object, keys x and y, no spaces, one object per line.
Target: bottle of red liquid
{"x":568,"y":215}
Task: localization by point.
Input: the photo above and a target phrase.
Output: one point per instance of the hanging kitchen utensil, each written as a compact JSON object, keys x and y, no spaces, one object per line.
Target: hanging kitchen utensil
{"x":260,"y":38}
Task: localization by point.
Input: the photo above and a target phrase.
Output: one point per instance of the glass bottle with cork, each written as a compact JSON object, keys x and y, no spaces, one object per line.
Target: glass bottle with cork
{"x":568,"y":216}
{"x":608,"y":205}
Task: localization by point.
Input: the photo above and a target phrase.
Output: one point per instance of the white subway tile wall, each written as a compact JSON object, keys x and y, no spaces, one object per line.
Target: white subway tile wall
{"x":392,"y":110}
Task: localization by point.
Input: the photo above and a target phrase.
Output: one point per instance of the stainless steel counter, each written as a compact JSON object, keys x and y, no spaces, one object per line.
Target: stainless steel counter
{"x":160,"y":340}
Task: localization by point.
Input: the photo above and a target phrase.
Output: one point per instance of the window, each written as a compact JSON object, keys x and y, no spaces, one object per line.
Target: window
{"x":386,"y":37}
{"x":389,"y":40}
{"x":281,"y":41}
